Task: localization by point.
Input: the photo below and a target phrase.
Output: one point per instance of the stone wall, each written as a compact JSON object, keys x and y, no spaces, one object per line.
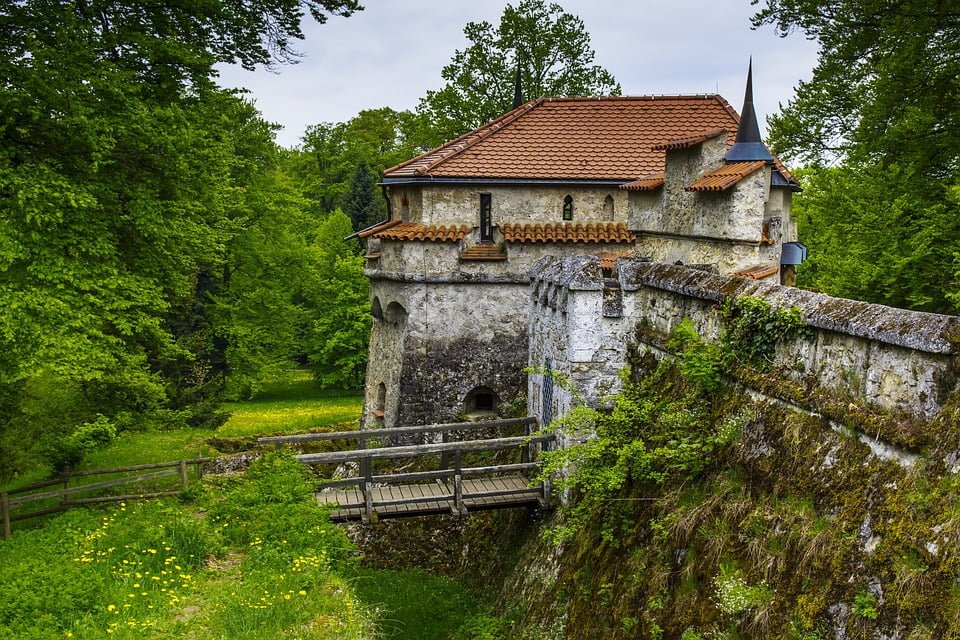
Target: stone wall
{"x":446,"y":204}
{"x":893,"y":359}
{"x":454,"y":337}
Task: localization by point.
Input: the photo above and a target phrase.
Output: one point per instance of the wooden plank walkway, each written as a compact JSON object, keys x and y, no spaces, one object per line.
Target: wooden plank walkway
{"x":405,"y":500}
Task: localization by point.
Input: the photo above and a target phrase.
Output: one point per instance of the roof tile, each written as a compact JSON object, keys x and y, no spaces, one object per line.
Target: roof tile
{"x":758,"y":272}
{"x":726,"y":176}
{"x":411,"y":231}
{"x":606,"y":138}
{"x":691,"y":141}
{"x":651,"y":182}
{"x":596,"y":233}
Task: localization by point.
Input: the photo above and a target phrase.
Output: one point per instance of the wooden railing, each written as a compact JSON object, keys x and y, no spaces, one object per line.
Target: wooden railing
{"x":530,"y":446}
{"x":14,"y":498}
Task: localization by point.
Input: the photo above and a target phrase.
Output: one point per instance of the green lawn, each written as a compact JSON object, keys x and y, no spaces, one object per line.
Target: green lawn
{"x":289,"y":406}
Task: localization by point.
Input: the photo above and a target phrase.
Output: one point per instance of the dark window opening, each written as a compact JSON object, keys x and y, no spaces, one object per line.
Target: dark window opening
{"x":486,"y":218}
{"x":483,"y":401}
{"x":568,"y":208}
{"x":405,"y":209}
{"x":380,"y":411}
{"x":480,"y":400}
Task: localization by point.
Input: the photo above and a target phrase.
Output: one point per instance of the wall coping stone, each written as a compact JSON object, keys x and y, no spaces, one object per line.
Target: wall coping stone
{"x":928,"y":332}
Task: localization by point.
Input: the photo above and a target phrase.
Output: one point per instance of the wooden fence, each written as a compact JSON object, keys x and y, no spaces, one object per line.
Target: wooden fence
{"x":66,"y":495}
{"x":512,"y":490}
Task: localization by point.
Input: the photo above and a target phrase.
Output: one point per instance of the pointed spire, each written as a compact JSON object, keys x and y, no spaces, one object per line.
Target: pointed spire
{"x":749,"y":145}
{"x":517,"y":88}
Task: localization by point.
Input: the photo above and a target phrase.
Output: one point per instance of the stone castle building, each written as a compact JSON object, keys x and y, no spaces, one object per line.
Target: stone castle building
{"x":667,"y":179}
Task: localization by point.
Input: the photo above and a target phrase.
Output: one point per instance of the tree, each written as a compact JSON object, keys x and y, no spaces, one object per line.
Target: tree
{"x":551,"y":48}
{"x":339,"y":303}
{"x":331,"y":153}
{"x":125,"y":175}
{"x":884,"y":104}
{"x":362,"y":203}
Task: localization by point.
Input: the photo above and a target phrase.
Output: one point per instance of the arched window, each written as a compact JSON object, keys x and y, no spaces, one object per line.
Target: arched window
{"x":375,"y":309}
{"x":480,"y":400}
{"x":608,"y":208}
{"x":405,"y":209}
{"x":381,"y":401}
{"x":395,"y":313}
{"x":568,"y":207}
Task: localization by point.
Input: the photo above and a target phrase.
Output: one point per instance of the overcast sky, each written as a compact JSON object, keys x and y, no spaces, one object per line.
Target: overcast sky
{"x":391,"y":53}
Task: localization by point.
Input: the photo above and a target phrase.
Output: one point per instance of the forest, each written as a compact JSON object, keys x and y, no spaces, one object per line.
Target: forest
{"x":160,"y":253}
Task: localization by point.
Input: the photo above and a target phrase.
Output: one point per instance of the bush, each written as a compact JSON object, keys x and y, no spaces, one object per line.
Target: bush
{"x":69,"y":451}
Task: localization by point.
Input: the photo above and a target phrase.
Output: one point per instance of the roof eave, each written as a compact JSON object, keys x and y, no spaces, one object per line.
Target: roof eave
{"x":401,"y":180}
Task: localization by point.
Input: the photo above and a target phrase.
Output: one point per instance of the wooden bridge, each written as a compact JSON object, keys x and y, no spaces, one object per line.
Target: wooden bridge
{"x":455,"y":487}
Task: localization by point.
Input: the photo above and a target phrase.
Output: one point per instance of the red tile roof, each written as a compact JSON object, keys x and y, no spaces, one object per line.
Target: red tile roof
{"x":386,"y":224}
{"x":726,"y":176}
{"x":651,"y":182}
{"x":410,"y":231}
{"x":608,"y":259}
{"x":484,"y":252}
{"x":607,"y":138}
{"x":758,"y":272}
{"x":686,"y":143}
{"x":566,"y":232}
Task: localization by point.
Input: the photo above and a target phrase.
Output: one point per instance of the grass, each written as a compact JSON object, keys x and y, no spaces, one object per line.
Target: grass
{"x":213,"y":569}
{"x":414,"y":605}
{"x":290,"y":406}
{"x":253,"y":558}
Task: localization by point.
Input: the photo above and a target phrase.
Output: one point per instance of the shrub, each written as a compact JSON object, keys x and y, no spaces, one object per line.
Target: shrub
{"x":69,"y":451}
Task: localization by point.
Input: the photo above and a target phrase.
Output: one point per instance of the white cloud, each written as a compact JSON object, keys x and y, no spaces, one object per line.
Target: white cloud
{"x":391,"y":53}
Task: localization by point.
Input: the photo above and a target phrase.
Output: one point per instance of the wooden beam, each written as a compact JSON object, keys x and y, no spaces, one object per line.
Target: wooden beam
{"x":93,"y":487}
{"x":362,"y":434}
{"x":414,"y":451}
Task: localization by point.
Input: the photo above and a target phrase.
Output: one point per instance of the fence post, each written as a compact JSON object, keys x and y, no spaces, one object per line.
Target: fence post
{"x":367,"y":489}
{"x":184,"y":479}
{"x":199,"y":465}
{"x":547,"y":484}
{"x":458,"y":506}
{"x":5,"y":499}
{"x":66,"y":485}
{"x":444,"y":456}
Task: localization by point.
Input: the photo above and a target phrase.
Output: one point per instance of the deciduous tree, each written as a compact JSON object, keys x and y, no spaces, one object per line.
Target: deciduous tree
{"x":883,"y":105}
{"x":550,"y":46}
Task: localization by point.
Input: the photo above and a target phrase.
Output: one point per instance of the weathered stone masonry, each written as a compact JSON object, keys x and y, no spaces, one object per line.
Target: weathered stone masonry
{"x":891,"y":358}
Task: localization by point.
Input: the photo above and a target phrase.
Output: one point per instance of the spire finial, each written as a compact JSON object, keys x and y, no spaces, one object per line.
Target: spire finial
{"x":517,"y":88}
{"x":748,"y":145}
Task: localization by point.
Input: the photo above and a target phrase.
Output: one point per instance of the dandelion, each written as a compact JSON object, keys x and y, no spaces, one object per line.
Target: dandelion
{"x":112,"y":608}
{"x":302,"y":592}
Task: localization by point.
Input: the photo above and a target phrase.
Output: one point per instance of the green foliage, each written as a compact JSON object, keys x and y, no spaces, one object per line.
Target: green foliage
{"x":550,"y":46}
{"x":363,"y":203}
{"x":159,"y":569}
{"x":879,"y":234}
{"x":701,"y":361}
{"x":660,"y":429}
{"x":865,"y":605}
{"x":336,"y":342}
{"x":89,"y":436}
{"x":879,"y":125}
{"x":333,"y":153}
{"x":734,"y":595}
{"x":753,"y":329}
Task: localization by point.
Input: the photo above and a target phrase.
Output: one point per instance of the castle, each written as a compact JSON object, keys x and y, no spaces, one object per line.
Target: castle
{"x":663,"y":179}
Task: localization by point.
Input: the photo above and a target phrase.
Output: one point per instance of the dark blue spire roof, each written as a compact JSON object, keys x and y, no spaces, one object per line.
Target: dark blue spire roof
{"x":749,"y":145}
